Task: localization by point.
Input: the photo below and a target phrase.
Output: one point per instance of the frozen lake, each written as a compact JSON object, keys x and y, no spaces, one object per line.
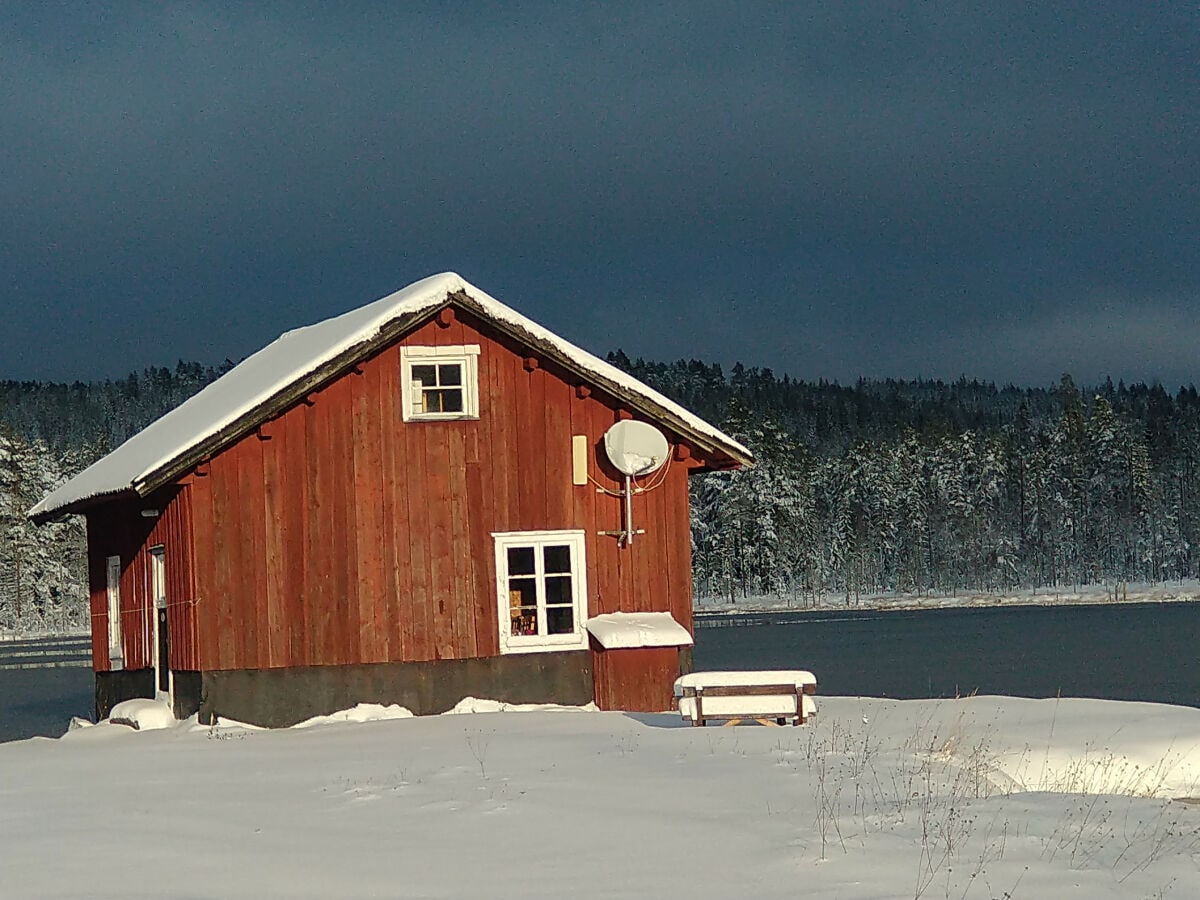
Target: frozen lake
{"x":1137,"y":651}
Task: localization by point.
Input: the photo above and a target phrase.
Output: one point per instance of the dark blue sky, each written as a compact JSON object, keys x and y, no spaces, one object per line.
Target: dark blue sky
{"x":1004,"y":190}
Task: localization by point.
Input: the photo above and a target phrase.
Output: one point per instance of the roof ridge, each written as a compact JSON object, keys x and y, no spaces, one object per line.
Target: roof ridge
{"x":212,"y":417}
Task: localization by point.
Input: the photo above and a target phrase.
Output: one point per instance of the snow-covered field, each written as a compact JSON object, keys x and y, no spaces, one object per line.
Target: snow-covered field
{"x":1122,"y":592}
{"x":983,"y":797}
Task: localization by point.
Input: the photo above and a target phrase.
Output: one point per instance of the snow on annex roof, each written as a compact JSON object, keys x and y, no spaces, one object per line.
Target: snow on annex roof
{"x":302,"y":352}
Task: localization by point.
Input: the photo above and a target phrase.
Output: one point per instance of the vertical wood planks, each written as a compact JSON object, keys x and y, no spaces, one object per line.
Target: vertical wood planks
{"x":369,"y":538}
{"x":275,"y":548}
{"x":638,"y":679}
{"x":460,"y":601}
{"x":318,"y":562}
{"x":341,"y":520}
{"x":351,"y":536}
{"x":207,"y":611}
{"x":119,"y":529}
{"x":421,"y":588}
{"x":250,"y":595}
{"x":396,"y":486}
{"x":295,"y":536}
{"x":436,"y":514}
{"x":97,"y":593}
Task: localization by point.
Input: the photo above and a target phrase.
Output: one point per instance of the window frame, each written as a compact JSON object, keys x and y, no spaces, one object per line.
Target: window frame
{"x":112,"y":588}
{"x":574,"y":539}
{"x":466,"y":356}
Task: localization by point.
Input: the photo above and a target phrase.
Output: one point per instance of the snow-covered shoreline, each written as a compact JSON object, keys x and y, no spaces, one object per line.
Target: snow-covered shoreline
{"x":1087,"y":595}
{"x":981,"y":797}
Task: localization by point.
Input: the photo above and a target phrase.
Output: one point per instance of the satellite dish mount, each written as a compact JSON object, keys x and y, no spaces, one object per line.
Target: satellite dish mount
{"x":634,"y":448}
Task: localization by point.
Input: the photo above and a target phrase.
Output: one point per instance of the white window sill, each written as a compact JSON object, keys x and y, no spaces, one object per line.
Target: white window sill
{"x":512,"y":647}
{"x":442,"y":417}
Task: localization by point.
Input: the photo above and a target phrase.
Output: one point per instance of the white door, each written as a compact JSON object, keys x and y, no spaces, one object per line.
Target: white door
{"x":162,"y":657}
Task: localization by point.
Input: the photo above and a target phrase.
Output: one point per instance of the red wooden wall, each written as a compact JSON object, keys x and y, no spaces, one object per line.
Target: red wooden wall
{"x":341,"y":534}
{"x":119,"y":529}
{"x":640,"y":679}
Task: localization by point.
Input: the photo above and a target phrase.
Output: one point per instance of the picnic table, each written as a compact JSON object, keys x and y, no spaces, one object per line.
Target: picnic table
{"x":769,"y":697}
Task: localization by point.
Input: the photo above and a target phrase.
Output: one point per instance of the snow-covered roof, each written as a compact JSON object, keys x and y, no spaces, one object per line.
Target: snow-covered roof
{"x":618,"y":630}
{"x":299,"y":360}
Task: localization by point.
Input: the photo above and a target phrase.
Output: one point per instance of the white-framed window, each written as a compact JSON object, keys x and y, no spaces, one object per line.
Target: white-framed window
{"x":541,"y":590}
{"x":440,"y":382}
{"x":112,"y":569}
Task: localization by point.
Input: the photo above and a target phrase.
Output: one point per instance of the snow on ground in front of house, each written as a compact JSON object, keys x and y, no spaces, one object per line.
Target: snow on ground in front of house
{"x":143,"y":714}
{"x":1123,"y":592}
{"x":873,"y":799}
{"x":362,"y":712}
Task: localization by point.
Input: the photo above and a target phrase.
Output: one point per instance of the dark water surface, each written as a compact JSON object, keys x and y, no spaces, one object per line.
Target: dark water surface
{"x":42,"y":701}
{"x":1136,"y":651}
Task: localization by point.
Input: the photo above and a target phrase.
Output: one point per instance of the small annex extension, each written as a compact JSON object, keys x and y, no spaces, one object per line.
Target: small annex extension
{"x":408,"y":503}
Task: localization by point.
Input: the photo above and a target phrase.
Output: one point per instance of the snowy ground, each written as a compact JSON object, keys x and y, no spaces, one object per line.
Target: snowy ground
{"x":1122,"y":592}
{"x":982,"y":797}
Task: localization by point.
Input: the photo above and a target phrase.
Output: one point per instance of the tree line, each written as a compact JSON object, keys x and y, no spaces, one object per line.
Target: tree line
{"x":907,"y":486}
{"x":48,"y":432}
{"x":933,"y":487}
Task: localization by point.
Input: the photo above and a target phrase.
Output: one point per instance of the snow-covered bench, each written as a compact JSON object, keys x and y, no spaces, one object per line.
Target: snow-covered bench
{"x":767,"y":697}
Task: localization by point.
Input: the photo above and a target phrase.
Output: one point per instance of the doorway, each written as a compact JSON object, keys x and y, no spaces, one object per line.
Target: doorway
{"x":162,"y":643}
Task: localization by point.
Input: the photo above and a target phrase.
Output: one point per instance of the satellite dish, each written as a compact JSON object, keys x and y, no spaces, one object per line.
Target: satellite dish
{"x":635,"y":448}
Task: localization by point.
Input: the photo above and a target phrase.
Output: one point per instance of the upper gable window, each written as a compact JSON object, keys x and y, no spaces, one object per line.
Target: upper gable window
{"x":440,"y":382}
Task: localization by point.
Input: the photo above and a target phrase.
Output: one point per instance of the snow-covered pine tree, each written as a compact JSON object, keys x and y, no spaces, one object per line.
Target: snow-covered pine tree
{"x":42,"y":570}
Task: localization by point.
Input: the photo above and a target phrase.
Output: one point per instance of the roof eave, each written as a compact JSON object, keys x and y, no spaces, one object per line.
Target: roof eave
{"x":75,"y":507}
{"x":637,"y":401}
{"x":308,"y":384}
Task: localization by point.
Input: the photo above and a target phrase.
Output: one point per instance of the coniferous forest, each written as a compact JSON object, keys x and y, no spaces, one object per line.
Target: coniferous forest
{"x":906,"y":486}
{"x":927,"y":486}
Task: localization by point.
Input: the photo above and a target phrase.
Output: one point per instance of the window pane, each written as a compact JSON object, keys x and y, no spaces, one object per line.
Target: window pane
{"x":522,"y":606}
{"x":558,"y":590}
{"x":452,"y":400}
{"x":560,"y":620}
{"x":557,"y":558}
{"x":450,"y":375}
{"x":520,"y":561}
{"x":427,"y":375}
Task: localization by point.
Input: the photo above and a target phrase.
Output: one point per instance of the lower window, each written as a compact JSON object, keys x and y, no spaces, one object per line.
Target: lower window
{"x":541,"y":590}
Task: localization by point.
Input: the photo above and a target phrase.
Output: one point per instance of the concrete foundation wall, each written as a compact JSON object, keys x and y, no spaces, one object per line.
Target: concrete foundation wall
{"x":130,"y":684}
{"x":281,"y":697}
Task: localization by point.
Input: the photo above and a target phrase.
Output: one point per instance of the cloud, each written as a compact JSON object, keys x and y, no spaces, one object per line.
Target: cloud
{"x":832,"y":168}
{"x":1144,"y":339}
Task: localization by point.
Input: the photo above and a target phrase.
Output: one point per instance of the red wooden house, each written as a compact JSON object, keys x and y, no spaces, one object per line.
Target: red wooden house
{"x":408,"y":503}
